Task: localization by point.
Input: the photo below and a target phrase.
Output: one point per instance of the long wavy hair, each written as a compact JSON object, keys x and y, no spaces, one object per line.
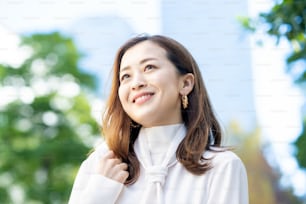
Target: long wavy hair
{"x":203,"y":129}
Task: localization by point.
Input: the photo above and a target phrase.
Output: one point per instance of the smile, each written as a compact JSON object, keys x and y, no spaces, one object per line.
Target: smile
{"x":142,"y":98}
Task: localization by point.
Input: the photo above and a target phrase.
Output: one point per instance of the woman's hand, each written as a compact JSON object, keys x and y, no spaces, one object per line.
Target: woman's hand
{"x":112,"y":167}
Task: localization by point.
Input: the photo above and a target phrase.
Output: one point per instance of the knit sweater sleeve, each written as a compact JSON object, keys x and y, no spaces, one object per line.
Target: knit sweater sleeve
{"x":92,"y":188}
{"x":229,"y":183}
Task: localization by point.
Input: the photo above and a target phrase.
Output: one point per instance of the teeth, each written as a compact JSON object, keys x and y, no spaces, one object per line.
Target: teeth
{"x":142,"y":97}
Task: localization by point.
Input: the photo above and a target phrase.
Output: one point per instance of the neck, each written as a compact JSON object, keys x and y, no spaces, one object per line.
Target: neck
{"x":162,"y":123}
{"x":159,"y":138}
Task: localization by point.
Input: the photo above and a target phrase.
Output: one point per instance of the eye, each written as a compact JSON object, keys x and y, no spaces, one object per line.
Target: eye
{"x":123,"y":77}
{"x":149,"y":67}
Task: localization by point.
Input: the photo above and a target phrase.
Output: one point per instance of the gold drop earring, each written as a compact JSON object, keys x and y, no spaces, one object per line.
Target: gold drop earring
{"x":184,"y":101}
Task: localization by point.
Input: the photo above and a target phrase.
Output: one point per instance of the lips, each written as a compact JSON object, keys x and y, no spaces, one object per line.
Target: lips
{"x":142,"y":97}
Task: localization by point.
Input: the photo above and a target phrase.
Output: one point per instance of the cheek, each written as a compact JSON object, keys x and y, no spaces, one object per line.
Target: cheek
{"x":168,"y":82}
{"x":122,"y":93}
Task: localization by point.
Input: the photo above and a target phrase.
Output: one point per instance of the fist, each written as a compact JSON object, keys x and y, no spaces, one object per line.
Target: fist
{"x":112,"y":167}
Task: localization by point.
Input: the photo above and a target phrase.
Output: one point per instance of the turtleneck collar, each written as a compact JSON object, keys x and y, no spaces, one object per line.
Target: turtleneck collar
{"x":155,"y":148}
{"x":158,"y":139}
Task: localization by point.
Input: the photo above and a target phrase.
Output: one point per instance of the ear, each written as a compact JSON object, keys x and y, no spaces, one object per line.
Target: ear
{"x":186,"y":84}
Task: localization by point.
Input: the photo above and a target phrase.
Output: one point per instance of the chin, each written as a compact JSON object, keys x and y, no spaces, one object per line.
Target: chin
{"x":144,"y":122}
{"x":143,"y":116}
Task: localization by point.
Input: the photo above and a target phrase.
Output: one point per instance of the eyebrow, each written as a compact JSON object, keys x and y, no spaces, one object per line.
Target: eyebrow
{"x":141,"y":62}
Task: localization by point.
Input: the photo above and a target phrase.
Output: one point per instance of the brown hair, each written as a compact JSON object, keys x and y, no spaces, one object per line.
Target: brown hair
{"x":203,"y":129}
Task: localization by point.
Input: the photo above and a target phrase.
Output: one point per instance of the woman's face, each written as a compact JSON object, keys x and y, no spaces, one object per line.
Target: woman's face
{"x":150,"y":86}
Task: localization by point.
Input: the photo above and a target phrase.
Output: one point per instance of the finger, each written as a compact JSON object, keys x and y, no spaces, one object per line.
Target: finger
{"x":122,"y":166}
{"x":108,"y":167}
{"x":113,"y":162}
{"x":105,"y":163}
{"x":121,"y":176}
{"x":108,"y":155}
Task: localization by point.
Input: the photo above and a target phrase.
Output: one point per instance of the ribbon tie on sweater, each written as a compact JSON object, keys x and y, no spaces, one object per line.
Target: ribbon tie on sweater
{"x":156,"y":174}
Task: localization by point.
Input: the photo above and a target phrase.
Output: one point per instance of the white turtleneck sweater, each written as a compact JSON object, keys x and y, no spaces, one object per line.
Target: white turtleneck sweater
{"x":162,"y":178}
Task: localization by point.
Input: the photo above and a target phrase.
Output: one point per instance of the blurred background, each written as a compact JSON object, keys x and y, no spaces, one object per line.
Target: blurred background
{"x":55,"y":63}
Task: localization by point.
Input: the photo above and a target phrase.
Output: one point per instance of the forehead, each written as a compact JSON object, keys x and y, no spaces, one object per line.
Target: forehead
{"x":141,"y":51}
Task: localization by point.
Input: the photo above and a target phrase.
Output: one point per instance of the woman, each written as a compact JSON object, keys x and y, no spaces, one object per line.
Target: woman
{"x":162,"y":139}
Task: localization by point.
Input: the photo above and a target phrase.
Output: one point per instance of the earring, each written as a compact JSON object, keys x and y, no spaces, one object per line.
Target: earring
{"x":185,"y":101}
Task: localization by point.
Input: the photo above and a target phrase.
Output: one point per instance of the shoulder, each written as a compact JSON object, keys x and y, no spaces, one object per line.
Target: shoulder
{"x":101,"y":148}
{"x":220,"y":159}
{"x":94,"y":156}
{"x":228,"y":174}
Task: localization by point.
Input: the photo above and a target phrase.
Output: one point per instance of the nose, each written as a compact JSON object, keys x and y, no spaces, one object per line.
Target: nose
{"x":138,"y":82}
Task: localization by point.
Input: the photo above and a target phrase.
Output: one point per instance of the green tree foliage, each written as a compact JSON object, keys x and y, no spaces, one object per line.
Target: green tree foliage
{"x":287,"y":21}
{"x":46,"y":126}
{"x":300,"y":144}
